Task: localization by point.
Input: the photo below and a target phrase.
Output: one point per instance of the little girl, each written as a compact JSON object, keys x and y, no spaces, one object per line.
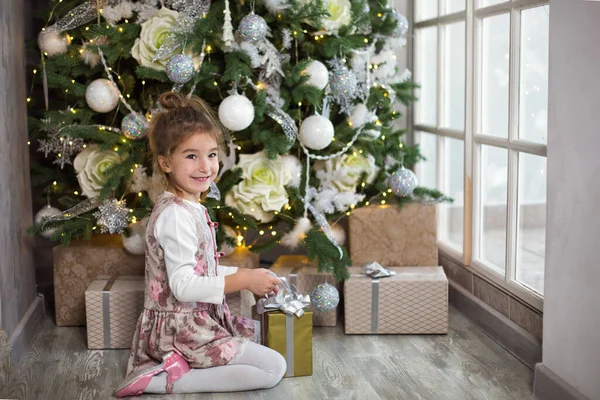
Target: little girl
{"x":186,"y":340}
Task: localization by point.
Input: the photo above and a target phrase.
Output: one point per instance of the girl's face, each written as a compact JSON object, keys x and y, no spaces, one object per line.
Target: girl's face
{"x":193,"y":166}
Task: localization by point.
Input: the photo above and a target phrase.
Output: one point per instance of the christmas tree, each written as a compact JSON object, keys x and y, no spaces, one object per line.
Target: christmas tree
{"x":308,"y":90}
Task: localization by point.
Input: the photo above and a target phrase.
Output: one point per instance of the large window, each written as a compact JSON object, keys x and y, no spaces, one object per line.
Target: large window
{"x":481,"y":123}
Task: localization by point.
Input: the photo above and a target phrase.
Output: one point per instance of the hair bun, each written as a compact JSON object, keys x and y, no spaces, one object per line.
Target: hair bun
{"x":172,"y":100}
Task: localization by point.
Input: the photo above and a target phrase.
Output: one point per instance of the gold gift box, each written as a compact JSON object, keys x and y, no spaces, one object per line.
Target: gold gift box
{"x":304,"y":275}
{"x":291,"y":337}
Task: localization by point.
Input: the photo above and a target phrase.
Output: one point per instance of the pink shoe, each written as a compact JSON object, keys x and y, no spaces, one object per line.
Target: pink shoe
{"x":173,"y":364}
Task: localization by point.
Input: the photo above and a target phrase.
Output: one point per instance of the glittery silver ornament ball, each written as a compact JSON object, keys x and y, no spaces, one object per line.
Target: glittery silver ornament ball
{"x":401,"y":24}
{"x":402,"y":182}
{"x":134,"y":126}
{"x":180,"y":68}
{"x":253,"y":28}
{"x":325,"y":297}
{"x":343,"y":82}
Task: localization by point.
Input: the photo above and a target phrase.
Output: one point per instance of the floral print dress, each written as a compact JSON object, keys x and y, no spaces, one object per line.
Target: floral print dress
{"x":204,"y":334}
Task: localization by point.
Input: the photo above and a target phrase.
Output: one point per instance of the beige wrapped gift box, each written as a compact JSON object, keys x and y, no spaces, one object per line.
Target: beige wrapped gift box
{"x":394,"y":236}
{"x":414,"y":301}
{"x":77,"y":265}
{"x":113,"y":306}
{"x":304,"y":275}
{"x":241,"y":257}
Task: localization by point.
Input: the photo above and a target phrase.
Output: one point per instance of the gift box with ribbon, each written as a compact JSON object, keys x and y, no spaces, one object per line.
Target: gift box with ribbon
{"x":77,"y":265}
{"x":287,"y":328}
{"x":113,"y":306}
{"x":396,"y":300}
{"x":303,"y":274}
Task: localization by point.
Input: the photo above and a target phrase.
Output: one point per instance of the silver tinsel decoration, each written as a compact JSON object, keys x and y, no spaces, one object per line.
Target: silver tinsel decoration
{"x":189,"y":12}
{"x":402,"y":182}
{"x":75,"y":211}
{"x":322,"y":221}
{"x":401,"y":24}
{"x":134,"y":126}
{"x":325,"y":297}
{"x":214,"y":192}
{"x":253,"y":28}
{"x":112,"y":216}
{"x":180,"y":68}
{"x":282,"y":118}
{"x":343,"y":84}
{"x":65,"y":147}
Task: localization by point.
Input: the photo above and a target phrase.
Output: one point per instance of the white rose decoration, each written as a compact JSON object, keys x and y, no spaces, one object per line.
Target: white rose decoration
{"x":262,"y":190}
{"x":152,"y":36}
{"x":343,"y":173}
{"x":340,"y":14}
{"x":90,"y":166}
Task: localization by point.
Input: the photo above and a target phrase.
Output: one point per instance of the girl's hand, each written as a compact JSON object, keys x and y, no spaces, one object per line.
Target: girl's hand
{"x":261,"y":283}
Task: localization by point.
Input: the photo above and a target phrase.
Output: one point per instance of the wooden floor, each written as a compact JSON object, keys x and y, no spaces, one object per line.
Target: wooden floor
{"x":465,"y":364}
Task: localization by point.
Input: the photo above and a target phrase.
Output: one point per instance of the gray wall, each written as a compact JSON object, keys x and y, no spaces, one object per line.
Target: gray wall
{"x":572,"y":301}
{"x":18,"y":298}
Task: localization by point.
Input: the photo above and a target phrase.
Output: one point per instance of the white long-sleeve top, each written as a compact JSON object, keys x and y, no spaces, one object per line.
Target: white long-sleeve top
{"x":175,"y":231}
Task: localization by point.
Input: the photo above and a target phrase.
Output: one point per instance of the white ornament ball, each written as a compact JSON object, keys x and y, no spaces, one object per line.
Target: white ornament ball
{"x":359,"y":115}
{"x":47,"y":211}
{"x":226,"y":248}
{"x":316,"y":132}
{"x":53,"y":42}
{"x":318,"y":74}
{"x":102,"y":96}
{"x":339,"y":234}
{"x":236,"y":112}
{"x":136,"y":242}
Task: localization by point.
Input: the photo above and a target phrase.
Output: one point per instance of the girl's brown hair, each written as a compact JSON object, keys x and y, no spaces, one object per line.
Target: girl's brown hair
{"x":180,"y":118}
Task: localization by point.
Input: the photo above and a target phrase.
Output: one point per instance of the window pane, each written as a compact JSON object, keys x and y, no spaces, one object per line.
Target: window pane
{"x":485,"y":3}
{"x":453,"y":6}
{"x":494,"y":76}
{"x":427,"y":169}
{"x":533,"y":99}
{"x":531,"y":238}
{"x":426,"y":76}
{"x":452,"y":214}
{"x":494,"y":175}
{"x":454,"y":77}
{"x":426,"y":9}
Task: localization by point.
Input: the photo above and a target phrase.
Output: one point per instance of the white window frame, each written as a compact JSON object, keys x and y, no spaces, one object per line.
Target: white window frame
{"x":473,"y":140}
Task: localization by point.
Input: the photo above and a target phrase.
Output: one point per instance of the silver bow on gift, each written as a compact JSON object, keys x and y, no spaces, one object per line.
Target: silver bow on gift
{"x":375,"y":270}
{"x":288,"y":301}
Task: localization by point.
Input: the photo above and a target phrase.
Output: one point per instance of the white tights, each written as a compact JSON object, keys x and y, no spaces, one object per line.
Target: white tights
{"x":258,"y":367}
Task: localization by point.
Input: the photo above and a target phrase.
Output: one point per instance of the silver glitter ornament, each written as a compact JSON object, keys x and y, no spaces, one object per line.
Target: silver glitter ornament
{"x":134,"y":126}
{"x":180,"y":68}
{"x":112,"y":216}
{"x":401,"y":24}
{"x":343,"y":82}
{"x":325,"y":297}
{"x":253,"y":28}
{"x":402,"y":182}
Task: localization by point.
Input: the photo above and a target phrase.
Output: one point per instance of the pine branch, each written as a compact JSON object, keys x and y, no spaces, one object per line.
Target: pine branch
{"x":326,"y":255}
